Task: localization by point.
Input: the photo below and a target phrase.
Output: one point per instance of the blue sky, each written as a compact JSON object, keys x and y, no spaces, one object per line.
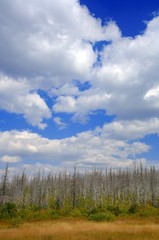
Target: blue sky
{"x":79,"y":83}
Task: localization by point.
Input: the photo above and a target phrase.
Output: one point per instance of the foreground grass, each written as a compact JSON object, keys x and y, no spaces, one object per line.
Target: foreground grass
{"x":82,"y":230}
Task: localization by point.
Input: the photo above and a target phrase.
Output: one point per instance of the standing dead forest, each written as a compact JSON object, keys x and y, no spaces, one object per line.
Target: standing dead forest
{"x":96,"y":194}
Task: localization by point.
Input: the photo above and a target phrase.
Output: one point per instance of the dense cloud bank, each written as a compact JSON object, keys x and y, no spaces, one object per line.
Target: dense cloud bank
{"x":50,"y":46}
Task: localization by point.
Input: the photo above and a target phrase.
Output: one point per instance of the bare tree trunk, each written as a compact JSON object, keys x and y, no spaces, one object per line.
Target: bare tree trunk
{"x":74,"y":189}
{"x":4,"y":186}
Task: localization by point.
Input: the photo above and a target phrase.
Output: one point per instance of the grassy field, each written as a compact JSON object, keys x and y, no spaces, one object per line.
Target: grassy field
{"x":82,"y":230}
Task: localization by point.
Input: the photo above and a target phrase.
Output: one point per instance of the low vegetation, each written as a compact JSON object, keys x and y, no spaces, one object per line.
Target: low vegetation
{"x":82,"y":230}
{"x":119,"y":204}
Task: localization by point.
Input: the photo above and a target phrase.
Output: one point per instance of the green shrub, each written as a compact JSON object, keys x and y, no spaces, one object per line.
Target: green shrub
{"x":54,"y":214}
{"x":35,"y":208}
{"x":28,"y":213}
{"x":76,"y":212}
{"x":133,"y":209}
{"x":116,"y":210}
{"x":101,"y":216}
{"x":8,"y":210}
{"x":147,"y":211}
{"x":25,"y":213}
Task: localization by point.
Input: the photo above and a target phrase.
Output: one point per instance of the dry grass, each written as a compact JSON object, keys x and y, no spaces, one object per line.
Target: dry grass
{"x":82,"y":230}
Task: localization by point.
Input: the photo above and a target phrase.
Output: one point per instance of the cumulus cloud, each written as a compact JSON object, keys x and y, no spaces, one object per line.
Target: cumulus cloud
{"x":83,"y":105}
{"x":54,"y":38}
{"x":10,"y":159}
{"x":56,"y":48}
{"x":130,"y":130}
{"x":126,"y":81}
{"x":87,"y":149}
{"x":129,"y":72}
{"x":50,"y":46}
{"x":15,"y":96}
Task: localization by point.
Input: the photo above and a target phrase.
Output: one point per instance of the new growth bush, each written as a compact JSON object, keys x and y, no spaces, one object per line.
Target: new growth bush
{"x":101,"y":216}
{"x":8,"y":210}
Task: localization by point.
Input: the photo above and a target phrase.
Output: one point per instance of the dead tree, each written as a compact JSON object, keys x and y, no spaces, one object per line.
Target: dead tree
{"x":4,"y":189}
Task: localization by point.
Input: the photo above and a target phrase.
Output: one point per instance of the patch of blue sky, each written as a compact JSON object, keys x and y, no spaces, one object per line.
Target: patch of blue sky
{"x":12,"y":121}
{"x":97,"y":118}
{"x":44,"y":95}
{"x":98,"y":48}
{"x":152,"y":155}
{"x":129,"y":15}
{"x":82,"y":86}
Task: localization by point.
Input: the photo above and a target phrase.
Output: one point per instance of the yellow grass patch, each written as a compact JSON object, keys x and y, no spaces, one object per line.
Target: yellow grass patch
{"x":82,"y":230}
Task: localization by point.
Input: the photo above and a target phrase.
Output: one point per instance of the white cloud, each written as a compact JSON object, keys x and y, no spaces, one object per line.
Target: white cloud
{"x":16,"y":97}
{"x":129,"y":71}
{"x":65,"y":90}
{"x":10,"y":159}
{"x":48,"y":45}
{"x":55,"y":38}
{"x":87,"y":148}
{"x":126,"y":82}
{"x":152,"y":97}
{"x":82,"y":105}
{"x":57,"y":49}
{"x":60,"y":123}
{"x":130,"y":130}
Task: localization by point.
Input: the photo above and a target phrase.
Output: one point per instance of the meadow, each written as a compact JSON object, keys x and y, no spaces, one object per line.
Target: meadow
{"x":127,"y":229}
{"x":104,"y":205}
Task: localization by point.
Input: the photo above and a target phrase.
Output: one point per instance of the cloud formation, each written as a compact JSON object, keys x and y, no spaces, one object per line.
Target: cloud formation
{"x":89,"y":148}
{"x":50,"y":39}
{"x":15,"y":96}
{"x":10,"y":159}
{"x":53,"y":47}
{"x":125,"y":82}
{"x":61,"y":125}
{"x":49,"y":45}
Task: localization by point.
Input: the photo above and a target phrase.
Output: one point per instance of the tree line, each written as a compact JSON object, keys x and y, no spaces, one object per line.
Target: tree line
{"x":137,"y":185}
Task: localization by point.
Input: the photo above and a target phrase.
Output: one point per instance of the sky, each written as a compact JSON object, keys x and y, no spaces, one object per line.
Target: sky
{"x":79,"y":84}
